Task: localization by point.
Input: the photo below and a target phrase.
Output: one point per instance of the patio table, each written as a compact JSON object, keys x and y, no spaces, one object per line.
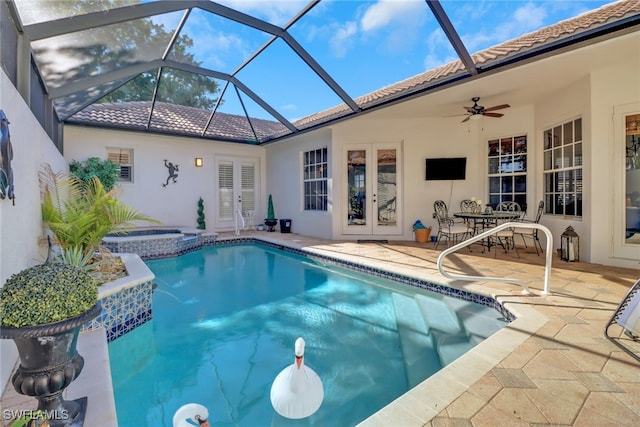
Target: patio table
{"x":486,"y":219}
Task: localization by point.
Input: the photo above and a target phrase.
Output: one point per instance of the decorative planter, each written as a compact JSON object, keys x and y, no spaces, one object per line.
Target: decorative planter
{"x":49,"y":362}
{"x":270,"y":223}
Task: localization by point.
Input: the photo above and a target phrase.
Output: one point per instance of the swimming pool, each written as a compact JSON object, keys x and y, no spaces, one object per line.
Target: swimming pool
{"x":225,"y":319}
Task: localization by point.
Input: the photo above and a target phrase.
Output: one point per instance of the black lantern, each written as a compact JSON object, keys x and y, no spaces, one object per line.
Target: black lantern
{"x":570,"y":245}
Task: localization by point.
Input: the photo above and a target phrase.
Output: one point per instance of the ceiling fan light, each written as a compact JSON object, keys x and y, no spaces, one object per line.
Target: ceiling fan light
{"x":475,"y":116}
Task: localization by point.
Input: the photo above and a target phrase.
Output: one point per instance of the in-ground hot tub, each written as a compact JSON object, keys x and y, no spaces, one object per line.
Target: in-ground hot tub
{"x":158,"y":242}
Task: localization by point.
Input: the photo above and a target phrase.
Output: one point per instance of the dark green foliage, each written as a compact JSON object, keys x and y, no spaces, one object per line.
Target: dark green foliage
{"x":201,"y":224}
{"x":270,"y":211}
{"x":105,"y":170}
{"x":46,"y":293}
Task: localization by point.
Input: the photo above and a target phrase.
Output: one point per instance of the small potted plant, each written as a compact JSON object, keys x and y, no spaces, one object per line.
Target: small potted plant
{"x":43,"y":308}
{"x":270,"y":221}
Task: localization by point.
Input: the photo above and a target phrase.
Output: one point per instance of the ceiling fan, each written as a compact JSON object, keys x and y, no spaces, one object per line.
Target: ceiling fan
{"x":476,"y":110}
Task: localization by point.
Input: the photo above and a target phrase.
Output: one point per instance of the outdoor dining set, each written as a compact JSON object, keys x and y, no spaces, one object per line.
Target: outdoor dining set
{"x":474,"y":218}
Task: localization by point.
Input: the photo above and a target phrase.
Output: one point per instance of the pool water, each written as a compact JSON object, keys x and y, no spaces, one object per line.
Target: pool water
{"x":225,"y":319}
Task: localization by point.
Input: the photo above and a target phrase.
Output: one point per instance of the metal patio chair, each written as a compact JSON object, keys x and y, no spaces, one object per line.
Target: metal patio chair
{"x":449,"y":227}
{"x":529,"y":233}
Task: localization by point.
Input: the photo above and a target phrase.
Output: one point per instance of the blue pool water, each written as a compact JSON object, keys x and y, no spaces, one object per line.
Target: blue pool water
{"x":225,"y":319}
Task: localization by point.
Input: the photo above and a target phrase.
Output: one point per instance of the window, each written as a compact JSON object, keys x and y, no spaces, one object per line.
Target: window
{"x":508,"y":170}
{"x":563,"y":169}
{"x":315,"y":180}
{"x":122,"y":157}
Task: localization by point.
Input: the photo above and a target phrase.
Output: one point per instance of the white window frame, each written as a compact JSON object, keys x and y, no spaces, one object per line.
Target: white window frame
{"x":119,"y":156}
{"x":562,"y":164}
{"x":503,"y":156}
{"x":315,"y":180}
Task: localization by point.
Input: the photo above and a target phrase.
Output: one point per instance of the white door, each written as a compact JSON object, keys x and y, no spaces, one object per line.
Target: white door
{"x":372,"y":193}
{"x":236,"y":181}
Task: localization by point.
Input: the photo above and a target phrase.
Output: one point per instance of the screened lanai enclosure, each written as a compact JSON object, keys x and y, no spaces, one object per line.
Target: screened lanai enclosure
{"x":256,"y":72}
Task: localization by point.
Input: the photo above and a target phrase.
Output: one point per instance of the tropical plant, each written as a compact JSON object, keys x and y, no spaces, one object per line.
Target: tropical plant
{"x":105,"y":170}
{"x":81,"y":213}
{"x":46,"y":293}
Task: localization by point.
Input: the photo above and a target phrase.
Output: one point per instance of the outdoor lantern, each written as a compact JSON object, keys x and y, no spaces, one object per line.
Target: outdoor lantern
{"x":198,"y":162}
{"x":569,"y":245}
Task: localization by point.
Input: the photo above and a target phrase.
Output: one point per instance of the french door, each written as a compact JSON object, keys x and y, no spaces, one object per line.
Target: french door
{"x":373,"y":192}
{"x":236,"y":184}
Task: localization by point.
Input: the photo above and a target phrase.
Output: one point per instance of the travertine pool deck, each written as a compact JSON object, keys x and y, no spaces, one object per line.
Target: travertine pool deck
{"x":551,"y":366}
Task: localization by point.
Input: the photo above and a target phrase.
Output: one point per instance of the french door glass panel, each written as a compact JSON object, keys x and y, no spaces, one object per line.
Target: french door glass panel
{"x":632,"y":179}
{"x":236,"y":183}
{"x":373,"y":177}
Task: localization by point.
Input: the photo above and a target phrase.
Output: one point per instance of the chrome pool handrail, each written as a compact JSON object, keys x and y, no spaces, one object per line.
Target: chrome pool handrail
{"x":486,"y":234}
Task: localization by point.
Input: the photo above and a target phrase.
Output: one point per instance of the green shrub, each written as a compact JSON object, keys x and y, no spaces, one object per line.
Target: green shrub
{"x":106,"y":171}
{"x":46,"y":293}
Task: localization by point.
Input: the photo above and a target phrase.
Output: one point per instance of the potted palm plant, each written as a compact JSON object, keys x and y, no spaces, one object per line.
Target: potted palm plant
{"x":81,"y":213}
{"x":270,"y":221}
{"x":43,"y":308}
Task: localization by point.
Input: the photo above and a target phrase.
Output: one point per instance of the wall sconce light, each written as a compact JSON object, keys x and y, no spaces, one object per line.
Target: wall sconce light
{"x":199,"y":162}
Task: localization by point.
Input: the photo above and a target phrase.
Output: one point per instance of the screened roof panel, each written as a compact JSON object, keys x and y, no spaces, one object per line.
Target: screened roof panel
{"x":293,"y":77}
{"x":274,"y":12}
{"x":76,"y":56}
{"x":218,"y":43}
{"x":354,"y":41}
{"x":68,"y":105}
{"x":36,"y":11}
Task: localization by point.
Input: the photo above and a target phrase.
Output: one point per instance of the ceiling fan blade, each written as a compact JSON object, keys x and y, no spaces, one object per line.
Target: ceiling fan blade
{"x":493,"y":114}
{"x":456,"y":115}
{"x":497,"y":107}
{"x":468,"y":117}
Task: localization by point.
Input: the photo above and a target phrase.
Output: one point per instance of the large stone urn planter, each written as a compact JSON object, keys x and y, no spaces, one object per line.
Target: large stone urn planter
{"x":49,"y":362}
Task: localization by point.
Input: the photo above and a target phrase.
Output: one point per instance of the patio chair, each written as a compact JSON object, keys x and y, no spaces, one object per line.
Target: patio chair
{"x":448,"y":227}
{"x":506,"y":238}
{"x":471,"y":206}
{"x":531,"y":233}
{"x":627,"y":316}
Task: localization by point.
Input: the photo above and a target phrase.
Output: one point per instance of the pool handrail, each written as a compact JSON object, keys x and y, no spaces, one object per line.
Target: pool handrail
{"x":486,"y":234}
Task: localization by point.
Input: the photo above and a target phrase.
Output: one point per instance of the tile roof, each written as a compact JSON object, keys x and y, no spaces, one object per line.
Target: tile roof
{"x":191,"y":121}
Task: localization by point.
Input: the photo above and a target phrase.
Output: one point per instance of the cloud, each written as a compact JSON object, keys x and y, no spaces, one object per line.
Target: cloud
{"x":342,"y":38}
{"x":386,"y":12}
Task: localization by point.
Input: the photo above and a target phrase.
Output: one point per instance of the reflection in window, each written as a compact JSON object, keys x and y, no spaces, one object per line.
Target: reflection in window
{"x":314,"y":178}
{"x":632,"y":178}
{"x":356,"y":178}
{"x":562,"y":155}
{"x":508,"y":170}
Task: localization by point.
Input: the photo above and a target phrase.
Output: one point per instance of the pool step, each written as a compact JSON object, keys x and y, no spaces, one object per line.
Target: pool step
{"x":439,"y":315}
{"x":416,"y":342}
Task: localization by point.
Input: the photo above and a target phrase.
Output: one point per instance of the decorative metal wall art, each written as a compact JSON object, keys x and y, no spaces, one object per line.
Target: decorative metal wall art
{"x":6,"y":155}
{"x":173,"y":176}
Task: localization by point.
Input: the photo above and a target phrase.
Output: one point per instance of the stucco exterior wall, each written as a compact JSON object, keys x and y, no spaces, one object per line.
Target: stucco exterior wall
{"x":175,"y":204}
{"x":284,"y":183}
{"x":21,"y":225}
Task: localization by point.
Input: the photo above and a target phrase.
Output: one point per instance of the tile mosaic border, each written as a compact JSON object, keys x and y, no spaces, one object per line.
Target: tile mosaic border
{"x":124,"y":311}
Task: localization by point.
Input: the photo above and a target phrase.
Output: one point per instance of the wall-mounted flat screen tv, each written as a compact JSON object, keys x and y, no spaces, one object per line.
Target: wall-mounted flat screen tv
{"x":444,"y":169}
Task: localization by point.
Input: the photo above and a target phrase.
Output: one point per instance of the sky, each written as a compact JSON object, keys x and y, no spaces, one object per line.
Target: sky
{"x":363,"y":45}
